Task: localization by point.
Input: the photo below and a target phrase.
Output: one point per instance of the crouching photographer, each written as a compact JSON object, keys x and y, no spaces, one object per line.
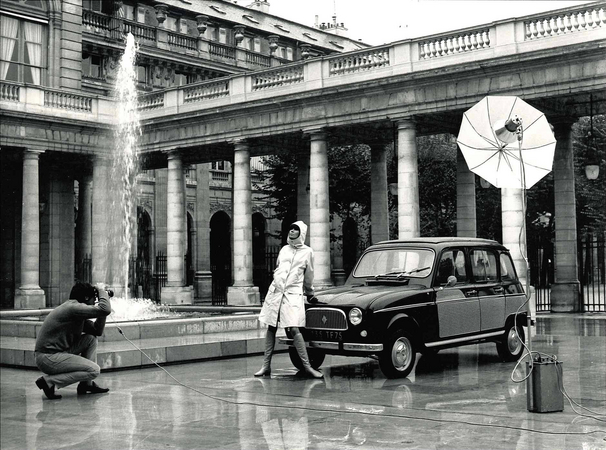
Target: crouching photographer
{"x":66,"y":346}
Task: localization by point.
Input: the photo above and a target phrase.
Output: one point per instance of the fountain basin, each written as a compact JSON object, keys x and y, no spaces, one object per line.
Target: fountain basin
{"x":233,"y":332}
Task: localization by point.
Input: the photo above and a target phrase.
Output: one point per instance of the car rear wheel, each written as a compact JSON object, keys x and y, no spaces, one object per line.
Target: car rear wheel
{"x":398,"y":356}
{"x":316,"y":357}
{"x":510,"y":348}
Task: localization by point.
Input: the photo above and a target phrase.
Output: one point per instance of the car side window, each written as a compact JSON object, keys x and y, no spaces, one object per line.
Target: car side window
{"x":508,"y":271}
{"x":483,"y":265}
{"x":452,"y":263}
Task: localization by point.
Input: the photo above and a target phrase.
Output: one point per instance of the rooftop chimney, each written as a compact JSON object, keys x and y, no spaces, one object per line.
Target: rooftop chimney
{"x":260,"y":5}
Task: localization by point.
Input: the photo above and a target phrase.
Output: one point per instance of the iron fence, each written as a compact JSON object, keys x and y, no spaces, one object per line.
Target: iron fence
{"x":263,"y":271}
{"x":592,"y":271}
{"x":84,"y":269}
{"x":221,"y":280}
{"x":160,"y":275}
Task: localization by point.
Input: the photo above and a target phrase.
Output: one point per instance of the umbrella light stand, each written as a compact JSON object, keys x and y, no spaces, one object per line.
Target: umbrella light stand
{"x":543,"y":392}
{"x":487,"y":138}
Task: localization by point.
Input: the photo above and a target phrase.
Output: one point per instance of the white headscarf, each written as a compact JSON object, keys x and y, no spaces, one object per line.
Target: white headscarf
{"x":300,"y":241}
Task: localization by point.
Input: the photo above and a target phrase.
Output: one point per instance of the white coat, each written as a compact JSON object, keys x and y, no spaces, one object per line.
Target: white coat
{"x":293,"y":278}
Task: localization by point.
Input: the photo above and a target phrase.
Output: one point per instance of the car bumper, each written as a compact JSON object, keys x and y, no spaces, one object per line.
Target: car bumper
{"x":345,"y":346}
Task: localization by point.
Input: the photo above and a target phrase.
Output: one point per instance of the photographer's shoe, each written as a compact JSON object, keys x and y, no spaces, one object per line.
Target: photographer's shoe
{"x":84,"y":388}
{"x":49,"y":391}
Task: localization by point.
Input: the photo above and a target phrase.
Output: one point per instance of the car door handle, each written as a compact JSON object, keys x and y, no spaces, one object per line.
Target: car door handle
{"x":471,"y":293}
{"x":499,"y":289}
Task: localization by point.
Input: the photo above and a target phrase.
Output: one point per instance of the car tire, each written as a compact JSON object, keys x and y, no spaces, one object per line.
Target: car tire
{"x":316,"y":357}
{"x":398,"y":356}
{"x":510,"y":348}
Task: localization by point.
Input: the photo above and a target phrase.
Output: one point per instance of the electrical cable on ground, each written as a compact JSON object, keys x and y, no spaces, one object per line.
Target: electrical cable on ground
{"x":306,"y":408}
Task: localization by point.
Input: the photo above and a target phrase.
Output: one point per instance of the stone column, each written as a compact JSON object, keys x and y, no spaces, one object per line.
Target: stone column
{"x":100,"y":235}
{"x":565,"y":291}
{"x":379,"y":209}
{"x":29,"y":295}
{"x":514,"y":233}
{"x":203,"y":277}
{"x":85,"y":198}
{"x":303,"y":189}
{"x":319,"y":213}
{"x":243,"y":292}
{"x":175,"y":291}
{"x":466,"y":198}
{"x":408,"y":181}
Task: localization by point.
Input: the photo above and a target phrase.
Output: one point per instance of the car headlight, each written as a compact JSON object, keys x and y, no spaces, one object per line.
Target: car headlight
{"x":355,"y":316}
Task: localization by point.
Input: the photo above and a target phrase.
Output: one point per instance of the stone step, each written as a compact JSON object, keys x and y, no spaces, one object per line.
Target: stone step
{"x":122,"y":354}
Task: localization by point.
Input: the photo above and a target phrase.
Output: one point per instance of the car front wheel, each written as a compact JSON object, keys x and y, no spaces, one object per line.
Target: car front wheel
{"x":398,"y":356}
{"x":512,"y":345}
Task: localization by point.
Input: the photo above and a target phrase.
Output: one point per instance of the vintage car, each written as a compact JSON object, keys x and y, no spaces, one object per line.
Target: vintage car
{"x":419,"y":295}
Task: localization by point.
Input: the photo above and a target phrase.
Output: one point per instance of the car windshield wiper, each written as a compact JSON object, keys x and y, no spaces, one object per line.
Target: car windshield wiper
{"x":399,"y":274}
{"x":402,"y":273}
{"x":421,"y":269}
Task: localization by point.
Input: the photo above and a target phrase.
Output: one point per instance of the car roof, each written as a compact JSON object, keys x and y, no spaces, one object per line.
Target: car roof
{"x":440,"y":241}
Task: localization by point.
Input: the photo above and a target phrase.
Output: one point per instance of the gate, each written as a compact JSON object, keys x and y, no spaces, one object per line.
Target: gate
{"x":263,"y":272}
{"x":160,"y":276}
{"x":221,"y":280}
{"x":592,"y":271}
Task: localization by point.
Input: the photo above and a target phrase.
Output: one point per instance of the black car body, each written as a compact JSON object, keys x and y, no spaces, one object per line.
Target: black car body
{"x":419,"y":295}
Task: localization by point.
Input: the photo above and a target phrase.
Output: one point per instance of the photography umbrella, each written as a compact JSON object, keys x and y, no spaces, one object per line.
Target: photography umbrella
{"x":507,"y":142}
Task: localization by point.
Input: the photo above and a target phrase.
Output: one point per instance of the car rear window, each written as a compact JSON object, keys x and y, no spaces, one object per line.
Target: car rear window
{"x":412,"y":262}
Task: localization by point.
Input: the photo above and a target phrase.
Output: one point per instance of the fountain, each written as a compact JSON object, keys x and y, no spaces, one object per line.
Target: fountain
{"x":161,"y":331}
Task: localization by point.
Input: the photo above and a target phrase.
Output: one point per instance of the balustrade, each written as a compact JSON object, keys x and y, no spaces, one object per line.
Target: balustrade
{"x":588,"y":18}
{"x":66,"y":100}
{"x":277,"y":78}
{"x":257,"y":59}
{"x":205,"y":91}
{"x":151,"y":101}
{"x":141,"y":32}
{"x":95,"y":21}
{"x":359,"y":62}
{"x":454,"y":44}
{"x":183,"y":41}
{"x":223,"y":51}
{"x":9,"y":92}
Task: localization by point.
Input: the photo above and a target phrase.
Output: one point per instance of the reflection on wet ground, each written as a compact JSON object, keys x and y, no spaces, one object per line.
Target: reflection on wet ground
{"x":458,"y":399}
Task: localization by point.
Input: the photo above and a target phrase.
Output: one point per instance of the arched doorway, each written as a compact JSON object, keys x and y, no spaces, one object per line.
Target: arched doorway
{"x":143,"y":267}
{"x":220,"y":256}
{"x":189,"y":255}
{"x":261,"y":276}
{"x":350,"y":245}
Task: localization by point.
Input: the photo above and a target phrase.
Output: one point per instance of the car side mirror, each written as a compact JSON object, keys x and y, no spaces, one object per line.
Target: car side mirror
{"x":451,"y":281}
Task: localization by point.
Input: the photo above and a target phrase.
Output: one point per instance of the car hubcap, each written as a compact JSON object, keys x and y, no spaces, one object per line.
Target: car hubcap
{"x":513,"y":342}
{"x":401,"y":353}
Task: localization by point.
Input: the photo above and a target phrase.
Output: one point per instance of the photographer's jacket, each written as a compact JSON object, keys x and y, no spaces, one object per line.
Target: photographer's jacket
{"x":64,"y":325}
{"x":293,"y":278}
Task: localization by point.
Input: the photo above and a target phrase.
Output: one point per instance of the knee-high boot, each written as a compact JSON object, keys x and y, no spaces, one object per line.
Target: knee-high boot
{"x":299,"y":343}
{"x":270,"y":342}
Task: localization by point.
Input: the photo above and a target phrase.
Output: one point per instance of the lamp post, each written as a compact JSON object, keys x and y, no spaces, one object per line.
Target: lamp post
{"x":592,"y":166}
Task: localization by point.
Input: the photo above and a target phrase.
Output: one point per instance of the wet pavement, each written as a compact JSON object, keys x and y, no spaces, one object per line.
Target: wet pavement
{"x":460,"y":399}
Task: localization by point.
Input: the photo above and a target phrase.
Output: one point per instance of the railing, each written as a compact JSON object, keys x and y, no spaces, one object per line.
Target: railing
{"x":219,"y":176}
{"x":183,"y":41}
{"x":223,"y":51}
{"x":151,"y":101}
{"x":139,"y":31}
{"x":592,"y":272}
{"x":257,"y":59}
{"x":66,"y":100}
{"x":95,"y":20}
{"x":359,"y":62}
{"x":9,"y":91}
{"x":205,"y":91}
{"x":585,"y":18}
{"x":277,"y":78}
{"x":454,"y":44}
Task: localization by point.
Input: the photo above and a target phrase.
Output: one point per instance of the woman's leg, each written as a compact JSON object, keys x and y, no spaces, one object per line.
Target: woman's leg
{"x":299,"y":344}
{"x":270,"y":341}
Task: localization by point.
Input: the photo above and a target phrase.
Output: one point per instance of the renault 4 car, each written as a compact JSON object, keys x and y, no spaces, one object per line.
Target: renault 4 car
{"x":419,"y":295}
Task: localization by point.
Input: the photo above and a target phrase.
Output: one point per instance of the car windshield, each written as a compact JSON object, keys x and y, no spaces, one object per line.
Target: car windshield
{"x":396,"y":262}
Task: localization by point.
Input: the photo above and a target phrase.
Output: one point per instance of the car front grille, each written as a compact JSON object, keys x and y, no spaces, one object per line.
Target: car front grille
{"x":325,"y":319}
